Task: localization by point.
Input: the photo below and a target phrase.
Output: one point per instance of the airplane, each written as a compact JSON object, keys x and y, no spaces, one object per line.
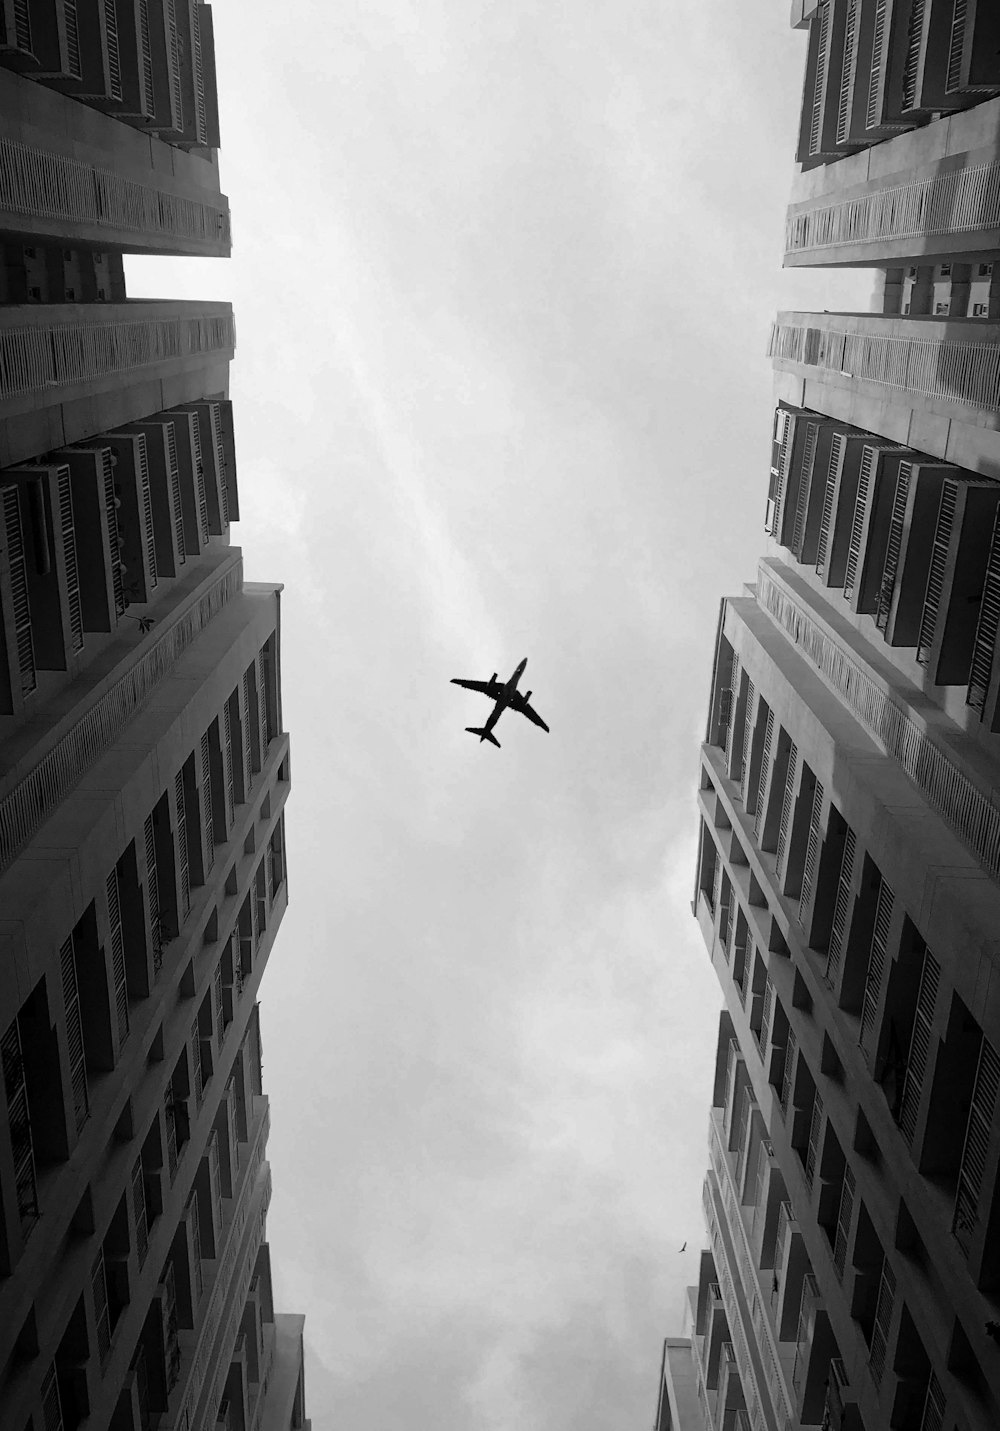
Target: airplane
{"x":505,"y":693}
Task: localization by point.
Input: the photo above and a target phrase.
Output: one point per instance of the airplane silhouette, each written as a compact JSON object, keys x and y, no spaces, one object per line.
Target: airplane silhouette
{"x":505,"y":694}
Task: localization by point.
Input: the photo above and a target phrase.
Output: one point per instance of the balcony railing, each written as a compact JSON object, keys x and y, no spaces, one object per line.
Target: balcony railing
{"x":868,"y":349}
{"x":36,"y":357}
{"x":934,"y":1406}
{"x":836,"y":1395}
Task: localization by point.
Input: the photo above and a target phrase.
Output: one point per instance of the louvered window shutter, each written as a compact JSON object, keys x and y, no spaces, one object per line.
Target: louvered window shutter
{"x":196,"y":1078}
{"x":117,"y":956}
{"x":245,"y":733}
{"x":74,"y":1034}
{"x":184,"y":868}
{"x":194,"y":1224}
{"x":148,"y":531}
{"x":219,"y":1011}
{"x":102,"y":1319}
{"x":228,"y":754}
{"x":68,"y":542}
{"x":205,"y":802}
{"x":153,"y":895}
{"x":265,"y":731}
{"x":139,"y":1220}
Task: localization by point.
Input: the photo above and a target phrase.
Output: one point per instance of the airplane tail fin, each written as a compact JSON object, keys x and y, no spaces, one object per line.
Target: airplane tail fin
{"x":483,"y":734}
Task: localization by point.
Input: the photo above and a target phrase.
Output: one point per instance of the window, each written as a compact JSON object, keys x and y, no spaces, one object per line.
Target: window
{"x":906,"y":308}
{"x":29,"y":253}
{"x":980,"y":310}
{"x":71,"y":295}
{"x":941,"y":307}
{"x":946,"y":270}
{"x":35,"y":294}
{"x":911,"y":273}
{"x":984,"y":270}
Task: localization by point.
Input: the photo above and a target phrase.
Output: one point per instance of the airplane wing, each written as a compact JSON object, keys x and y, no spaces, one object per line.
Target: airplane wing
{"x":485,"y":688}
{"x":532,"y":715}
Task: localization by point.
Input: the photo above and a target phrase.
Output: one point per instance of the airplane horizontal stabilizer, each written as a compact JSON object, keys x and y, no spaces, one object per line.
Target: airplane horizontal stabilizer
{"x":483,"y":734}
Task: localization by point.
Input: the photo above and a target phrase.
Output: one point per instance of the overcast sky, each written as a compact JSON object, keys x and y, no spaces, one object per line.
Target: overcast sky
{"x":503,"y":277}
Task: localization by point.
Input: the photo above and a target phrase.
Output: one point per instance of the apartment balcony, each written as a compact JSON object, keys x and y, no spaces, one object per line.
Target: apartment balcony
{"x":716,"y":1333}
{"x":840,"y":1410}
{"x":174,"y":45}
{"x":815,"y":1348}
{"x":166,"y":499}
{"x":217,"y":455}
{"x":983,"y":693}
{"x":194,"y":498}
{"x":791,"y":1264}
{"x":85,"y":349}
{"x":737,"y":1094}
{"x":769,"y":1194}
{"x":18,"y":672}
{"x":918,"y":1404}
{"x":134,"y":511}
{"x":133,"y":1411}
{"x":956,"y":578}
{"x":42,"y":39}
{"x":874,"y":503}
{"x":974,"y":50}
{"x":53,"y":578}
{"x":880,"y":75}
{"x":936,"y":365}
{"x":95,"y":511}
{"x":796,"y":431}
{"x":833,"y":538}
{"x":825,"y":130}
{"x":729,"y":1396}
{"x":908,"y":549}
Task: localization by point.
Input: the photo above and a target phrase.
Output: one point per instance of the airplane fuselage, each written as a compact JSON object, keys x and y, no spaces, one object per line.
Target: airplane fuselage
{"x":504,"y":699}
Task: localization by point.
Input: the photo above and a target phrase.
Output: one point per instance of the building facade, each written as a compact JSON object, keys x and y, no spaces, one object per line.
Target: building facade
{"x":848,"y":880}
{"x":144,"y":766}
{"x":679,"y":1407}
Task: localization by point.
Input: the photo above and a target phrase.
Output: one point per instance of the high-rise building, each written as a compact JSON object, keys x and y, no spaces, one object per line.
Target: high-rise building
{"x":143,"y":762}
{"x":848,"y":882}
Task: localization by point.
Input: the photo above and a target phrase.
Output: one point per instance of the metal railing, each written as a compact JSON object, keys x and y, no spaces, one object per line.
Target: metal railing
{"x":45,"y":184}
{"x":950,"y":202}
{"x":953,"y":369}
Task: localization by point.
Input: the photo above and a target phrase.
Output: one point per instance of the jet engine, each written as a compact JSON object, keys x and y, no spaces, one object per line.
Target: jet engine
{"x":493,"y":677}
{"x":527,"y":695}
